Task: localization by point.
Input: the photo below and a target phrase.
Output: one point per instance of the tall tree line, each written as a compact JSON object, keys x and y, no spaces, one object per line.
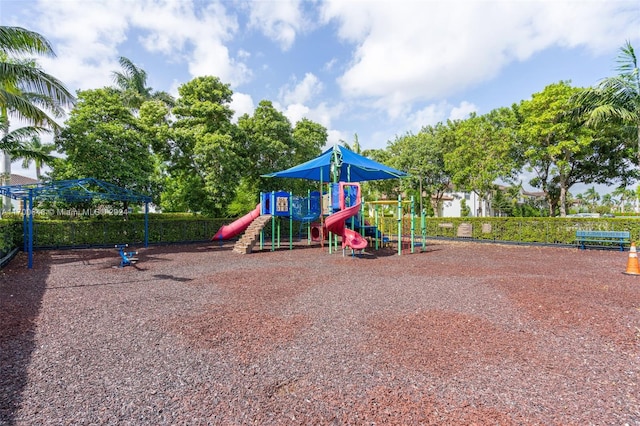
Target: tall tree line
{"x":186,"y":152}
{"x":190,"y":155}
{"x":560,"y":137}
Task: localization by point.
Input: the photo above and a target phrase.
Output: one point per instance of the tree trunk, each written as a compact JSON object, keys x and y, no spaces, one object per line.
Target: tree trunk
{"x":638,"y":129}
{"x":563,"y":200}
{"x":552,"y":206}
{"x":5,"y":177}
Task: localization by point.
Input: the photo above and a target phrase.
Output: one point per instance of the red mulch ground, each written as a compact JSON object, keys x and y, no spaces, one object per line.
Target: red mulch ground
{"x":463,"y":333}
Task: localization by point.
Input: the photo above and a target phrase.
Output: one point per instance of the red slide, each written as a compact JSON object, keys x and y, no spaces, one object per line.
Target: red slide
{"x":237,"y":227}
{"x":335,"y":223}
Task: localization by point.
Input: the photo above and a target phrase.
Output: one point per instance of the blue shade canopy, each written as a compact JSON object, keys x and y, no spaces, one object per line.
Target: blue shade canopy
{"x":74,"y":190}
{"x":352,"y":167}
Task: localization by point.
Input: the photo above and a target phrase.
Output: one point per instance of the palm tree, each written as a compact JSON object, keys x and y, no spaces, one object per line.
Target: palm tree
{"x":616,"y":98}
{"x":630,"y":199}
{"x":132,"y":85}
{"x":579,"y":199}
{"x":620,"y":194}
{"x":608,"y":201}
{"x":592,"y":197}
{"x":356,"y":144}
{"x":34,"y":151}
{"x":26,"y":91}
{"x":11,"y":140}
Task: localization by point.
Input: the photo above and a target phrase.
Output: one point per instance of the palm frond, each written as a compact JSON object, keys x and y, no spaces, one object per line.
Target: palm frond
{"x":627,"y":61}
{"x":165,"y":98}
{"x":17,"y":105}
{"x":19,"y":41}
{"x":18,"y":136}
{"x":34,"y":79}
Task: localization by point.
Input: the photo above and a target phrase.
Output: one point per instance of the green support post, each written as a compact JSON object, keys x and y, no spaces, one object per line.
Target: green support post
{"x":262,"y":230}
{"x":375,"y":218}
{"x":423,"y":221}
{"x":399,"y":225}
{"x":413,"y":225}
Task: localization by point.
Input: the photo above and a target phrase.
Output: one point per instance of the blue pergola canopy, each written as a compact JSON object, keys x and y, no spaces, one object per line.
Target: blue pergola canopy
{"x":352,"y":167}
{"x":75,"y":190}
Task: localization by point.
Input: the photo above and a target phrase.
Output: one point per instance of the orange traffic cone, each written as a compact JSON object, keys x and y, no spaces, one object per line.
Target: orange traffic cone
{"x":632,"y":262}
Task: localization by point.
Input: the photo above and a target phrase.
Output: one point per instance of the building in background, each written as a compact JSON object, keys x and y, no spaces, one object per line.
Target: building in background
{"x":16,"y":205}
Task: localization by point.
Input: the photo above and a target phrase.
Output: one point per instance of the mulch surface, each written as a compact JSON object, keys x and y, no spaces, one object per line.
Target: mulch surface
{"x":461,"y":333}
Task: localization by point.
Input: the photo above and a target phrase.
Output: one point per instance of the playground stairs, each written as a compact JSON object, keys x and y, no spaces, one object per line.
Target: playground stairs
{"x":246,"y":242}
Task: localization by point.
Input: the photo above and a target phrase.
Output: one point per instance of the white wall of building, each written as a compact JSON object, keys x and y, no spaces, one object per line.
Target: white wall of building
{"x":453,"y":208}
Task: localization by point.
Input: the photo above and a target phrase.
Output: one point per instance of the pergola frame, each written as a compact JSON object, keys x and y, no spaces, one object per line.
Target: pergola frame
{"x":75,"y":190}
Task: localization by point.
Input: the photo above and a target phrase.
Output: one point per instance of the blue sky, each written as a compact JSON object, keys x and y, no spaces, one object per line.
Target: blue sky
{"x":372,"y":68}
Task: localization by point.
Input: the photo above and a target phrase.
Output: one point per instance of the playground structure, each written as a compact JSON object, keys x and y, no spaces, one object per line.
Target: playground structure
{"x":340,"y":218}
{"x":404,"y":234}
{"x":349,"y":207}
{"x":237,"y":227}
{"x":336,"y":214}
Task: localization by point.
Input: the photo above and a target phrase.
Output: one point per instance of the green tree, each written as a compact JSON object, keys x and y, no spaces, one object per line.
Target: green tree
{"x":26,"y":90}
{"x":616,"y":99}
{"x":501,"y":203}
{"x":131,"y":82}
{"x":34,"y":151}
{"x":156,"y":121}
{"x":607,"y":203}
{"x":102,"y":139}
{"x":355,"y":147}
{"x":270,"y":145}
{"x":204,"y":151}
{"x":12,"y":140}
{"x":388,"y":188}
{"x":561,"y":151}
{"x":592,"y":197}
{"x":465,"y":211}
{"x":309,"y":137}
{"x":623,"y":195}
{"x":481,"y":150}
{"x":580,"y":200}
{"x":422,"y":156}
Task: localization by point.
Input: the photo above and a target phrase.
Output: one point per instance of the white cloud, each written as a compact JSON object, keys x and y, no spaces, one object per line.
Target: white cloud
{"x":416,"y":51}
{"x":334,"y":137}
{"x":462,"y":111}
{"x":329,"y":65}
{"x":429,"y":115}
{"x":89,"y":37}
{"x":325,"y":113}
{"x":173,"y":90}
{"x":197,"y":36}
{"x":241,"y":104}
{"x":296,"y":112}
{"x":278,"y":20}
{"x":322,"y":114}
{"x":302,"y":92}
